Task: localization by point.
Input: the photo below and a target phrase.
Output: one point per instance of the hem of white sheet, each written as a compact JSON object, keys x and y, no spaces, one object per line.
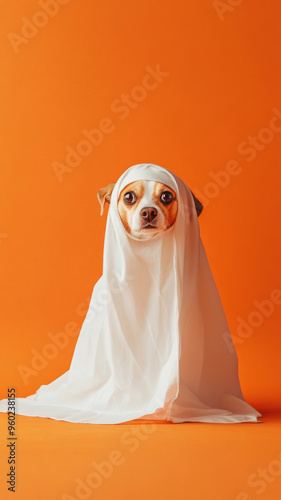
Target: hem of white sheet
{"x":72,"y":415}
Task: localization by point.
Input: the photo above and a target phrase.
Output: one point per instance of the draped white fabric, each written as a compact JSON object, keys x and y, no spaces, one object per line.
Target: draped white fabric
{"x":153,"y":343}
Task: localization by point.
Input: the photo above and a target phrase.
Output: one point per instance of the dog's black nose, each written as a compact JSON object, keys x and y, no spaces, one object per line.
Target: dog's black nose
{"x":148,"y":213}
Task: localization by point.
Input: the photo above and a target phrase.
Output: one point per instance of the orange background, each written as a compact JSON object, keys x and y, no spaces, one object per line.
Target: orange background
{"x":222,"y":82}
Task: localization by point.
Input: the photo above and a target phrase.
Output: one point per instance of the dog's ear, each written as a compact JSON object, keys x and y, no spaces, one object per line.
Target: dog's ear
{"x":198,"y":205}
{"x":104,"y":195}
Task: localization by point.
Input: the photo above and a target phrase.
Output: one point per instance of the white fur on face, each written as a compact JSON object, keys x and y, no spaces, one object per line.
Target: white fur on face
{"x":135,"y":220}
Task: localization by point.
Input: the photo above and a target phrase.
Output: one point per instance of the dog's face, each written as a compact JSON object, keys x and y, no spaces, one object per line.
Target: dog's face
{"x":145,"y":207}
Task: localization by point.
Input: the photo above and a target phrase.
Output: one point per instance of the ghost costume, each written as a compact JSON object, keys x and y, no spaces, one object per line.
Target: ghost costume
{"x":155,"y":343}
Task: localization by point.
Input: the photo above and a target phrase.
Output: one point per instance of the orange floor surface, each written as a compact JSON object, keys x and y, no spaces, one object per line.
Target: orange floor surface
{"x":60,"y":460}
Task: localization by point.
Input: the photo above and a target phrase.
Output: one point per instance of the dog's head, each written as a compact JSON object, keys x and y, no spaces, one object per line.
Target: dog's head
{"x":145,"y":207}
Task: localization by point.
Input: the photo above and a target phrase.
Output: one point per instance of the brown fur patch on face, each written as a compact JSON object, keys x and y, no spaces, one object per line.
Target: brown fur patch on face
{"x":170,"y":211}
{"x":125,"y":211}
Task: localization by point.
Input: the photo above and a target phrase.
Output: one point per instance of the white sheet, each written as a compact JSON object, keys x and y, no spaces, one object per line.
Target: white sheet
{"x":152,"y":344}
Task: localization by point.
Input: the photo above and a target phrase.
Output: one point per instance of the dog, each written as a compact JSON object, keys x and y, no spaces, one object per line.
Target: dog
{"x":145,"y":207}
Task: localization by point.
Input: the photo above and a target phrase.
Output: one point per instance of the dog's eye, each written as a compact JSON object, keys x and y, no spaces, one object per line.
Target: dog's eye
{"x":130,"y":198}
{"x":166,"y":197}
